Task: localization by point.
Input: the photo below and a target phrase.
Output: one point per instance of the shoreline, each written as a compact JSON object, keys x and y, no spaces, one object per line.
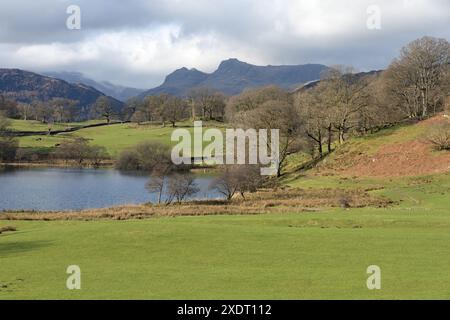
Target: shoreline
{"x":283,"y":200}
{"x":103,"y":165}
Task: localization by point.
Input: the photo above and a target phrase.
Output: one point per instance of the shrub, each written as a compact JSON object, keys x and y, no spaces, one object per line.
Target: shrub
{"x":439,"y":136}
{"x":8,"y":149}
{"x":145,"y":157}
{"x":80,"y":151}
{"x":7,"y":229}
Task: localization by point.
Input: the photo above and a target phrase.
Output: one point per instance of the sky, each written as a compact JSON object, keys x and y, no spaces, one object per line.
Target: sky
{"x":138,"y":42}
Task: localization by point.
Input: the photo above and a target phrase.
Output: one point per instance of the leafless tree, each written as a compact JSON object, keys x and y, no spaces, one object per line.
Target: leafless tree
{"x":207,"y":102}
{"x":252,"y":99}
{"x":103,"y":107}
{"x":181,"y":187}
{"x":237,"y":179}
{"x":417,"y":77}
{"x":158,"y":179}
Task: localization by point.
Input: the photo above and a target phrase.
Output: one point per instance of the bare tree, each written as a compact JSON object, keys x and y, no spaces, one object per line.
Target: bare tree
{"x":103,"y":107}
{"x":252,"y":99}
{"x":313,"y":106}
{"x":173,"y":110}
{"x":64,"y":110}
{"x":158,"y":179}
{"x":207,"y":102}
{"x":347,"y":94}
{"x":25,"y":110}
{"x":417,"y":76}
{"x":181,"y":187}
{"x":238,"y":179}
{"x":281,"y":115}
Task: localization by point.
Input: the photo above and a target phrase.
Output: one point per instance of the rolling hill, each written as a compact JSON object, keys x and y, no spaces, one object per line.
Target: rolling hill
{"x":234,"y":76}
{"x":25,"y":86}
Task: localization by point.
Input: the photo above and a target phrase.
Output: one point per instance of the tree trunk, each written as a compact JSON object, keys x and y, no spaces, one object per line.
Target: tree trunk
{"x":193,"y":111}
{"x":330,"y":136}
{"x":341,"y":136}
{"x":159,"y":196}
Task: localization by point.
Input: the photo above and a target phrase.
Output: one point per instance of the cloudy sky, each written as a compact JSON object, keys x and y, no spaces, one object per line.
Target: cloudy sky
{"x":137,"y":42}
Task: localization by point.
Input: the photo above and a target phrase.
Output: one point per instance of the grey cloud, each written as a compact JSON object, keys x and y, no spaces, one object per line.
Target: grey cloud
{"x":262,"y":31}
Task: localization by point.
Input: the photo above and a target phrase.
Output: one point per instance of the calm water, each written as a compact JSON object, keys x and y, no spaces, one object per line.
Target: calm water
{"x":75,"y":189}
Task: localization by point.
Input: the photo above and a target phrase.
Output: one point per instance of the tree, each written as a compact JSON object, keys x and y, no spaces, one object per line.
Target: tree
{"x":417,"y":76}
{"x":8,"y":145}
{"x":252,"y":99}
{"x":276,"y":114}
{"x":209,"y":102}
{"x":237,"y":179}
{"x":173,"y":110}
{"x":79,"y":150}
{"x":64,"y":110}
{"x":131,"y":107}
{"x":347,"y":94}
{"x":145,"y":157}
{"x":103,"y":107}
{"x":313,"y":107}
{"x":158,"y":178}
{"x":4,"y":123}
{"x":42,"y":111}
{"x":152,"y":107}
{"x":25,"y":110}
{"x":9,"y":108}
{"x":181,"y":187}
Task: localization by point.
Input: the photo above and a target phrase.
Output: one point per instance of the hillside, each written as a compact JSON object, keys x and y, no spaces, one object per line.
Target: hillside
{"x":399,"y":151}
{"x":118,"y":92}
{"x":25,"y":86}
{"x":234,"y":76}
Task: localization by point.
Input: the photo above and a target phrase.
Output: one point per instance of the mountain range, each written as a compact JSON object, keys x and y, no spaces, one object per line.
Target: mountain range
{"x":234,"y":76}
{"x":118,"y":92}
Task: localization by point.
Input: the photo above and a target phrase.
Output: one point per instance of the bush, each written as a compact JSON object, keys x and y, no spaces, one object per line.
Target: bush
{"x":80,"y":151}
{"x":8,"y":149}
{"x":440,"y":137}
{"x":144,"y":157}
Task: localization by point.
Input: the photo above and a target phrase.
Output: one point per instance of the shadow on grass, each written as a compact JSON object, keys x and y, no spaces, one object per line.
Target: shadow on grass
{"x":13,"y":248}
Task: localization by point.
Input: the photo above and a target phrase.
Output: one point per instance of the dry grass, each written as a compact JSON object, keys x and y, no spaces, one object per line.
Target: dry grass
{"x":7,"y":229}
{"x":265,"y":201}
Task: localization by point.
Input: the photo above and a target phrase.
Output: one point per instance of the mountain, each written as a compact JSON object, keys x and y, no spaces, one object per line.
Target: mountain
{"x":355,"y":76}
{"x":25,"y":86}
{"x":116,"y":91}
{"x":234,"y":76}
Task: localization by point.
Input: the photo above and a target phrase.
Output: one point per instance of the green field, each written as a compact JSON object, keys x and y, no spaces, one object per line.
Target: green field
{"x":115,"y":137}
{"x":320,"y":255}
{"x":30,"y":125}
{"x":278,"y":256}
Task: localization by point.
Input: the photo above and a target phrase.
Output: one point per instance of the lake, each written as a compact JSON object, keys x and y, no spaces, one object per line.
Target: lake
{"x":59,"y":189}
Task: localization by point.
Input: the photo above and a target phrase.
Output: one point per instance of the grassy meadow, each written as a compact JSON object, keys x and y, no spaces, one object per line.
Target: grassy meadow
{"x":115,"y":138}
{"x":321,"y":254}
{"x":273,"y":256}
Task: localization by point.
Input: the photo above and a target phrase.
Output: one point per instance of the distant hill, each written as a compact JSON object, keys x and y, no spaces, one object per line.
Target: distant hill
{"x":234,"y":76}
{"x":118,"y":92}
{"x":25,"y":86}
{"x":355,"y":76}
